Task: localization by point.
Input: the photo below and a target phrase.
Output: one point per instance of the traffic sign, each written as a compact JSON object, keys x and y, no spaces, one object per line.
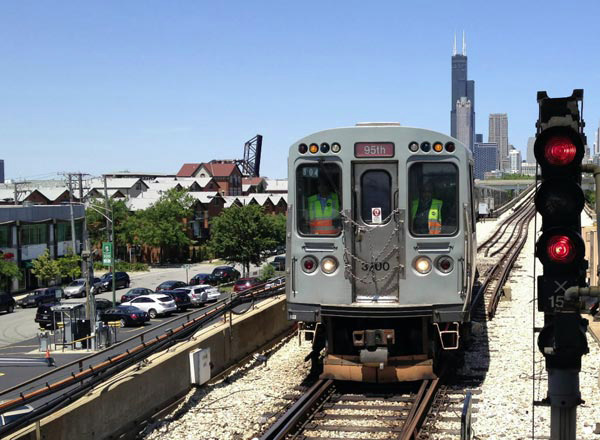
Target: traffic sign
{"x":107,"y":253}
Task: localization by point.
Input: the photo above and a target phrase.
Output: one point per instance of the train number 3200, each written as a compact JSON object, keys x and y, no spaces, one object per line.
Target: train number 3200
{"x":376,"y":267}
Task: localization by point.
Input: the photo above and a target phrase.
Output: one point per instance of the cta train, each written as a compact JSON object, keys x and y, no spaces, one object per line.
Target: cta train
{"x":381,"y":249}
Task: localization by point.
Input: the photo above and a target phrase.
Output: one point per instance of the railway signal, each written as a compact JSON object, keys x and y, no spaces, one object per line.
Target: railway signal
{"x":559,"y":149}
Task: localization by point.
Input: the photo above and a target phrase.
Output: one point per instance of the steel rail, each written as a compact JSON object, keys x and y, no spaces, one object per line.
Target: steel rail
{"x":417,"y":414}
{"x":299,"y":411}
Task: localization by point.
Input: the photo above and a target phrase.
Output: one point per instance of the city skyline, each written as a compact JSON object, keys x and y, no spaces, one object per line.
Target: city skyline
{"x":112,"y":86}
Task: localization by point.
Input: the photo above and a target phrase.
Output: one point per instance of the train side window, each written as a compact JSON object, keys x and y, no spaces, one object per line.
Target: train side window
{"x":433,"y":198}
{"x":319,"y":199}
{"x":376,"y":192}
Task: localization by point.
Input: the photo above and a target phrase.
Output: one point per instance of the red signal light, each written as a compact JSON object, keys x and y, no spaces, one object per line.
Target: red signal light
{"x":561,"y":249}
{"x":560,"y":150}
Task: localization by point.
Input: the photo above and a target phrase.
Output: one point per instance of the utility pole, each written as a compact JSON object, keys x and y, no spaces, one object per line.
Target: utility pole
{"x":17,"y":191}
{"x":73,"y":238}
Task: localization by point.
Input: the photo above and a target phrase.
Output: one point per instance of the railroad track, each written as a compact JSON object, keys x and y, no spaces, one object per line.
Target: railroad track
{"x":332,"y":410}
{"x":496,"y":257}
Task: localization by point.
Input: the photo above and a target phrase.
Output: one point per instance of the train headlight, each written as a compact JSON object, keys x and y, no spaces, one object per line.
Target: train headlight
{"x":329,"y":265}
{"x":438,"y":147}
{"x":445,"y":264}
{"x":335,"y":147}
{"x":413,"y":146}
{"x":324,"y":147}
{"x":422,"y":265}
{"x":302,"y":148}
{"x":314,"y":148}
{"x":450,"y":147}
{"x":309,"y":264}
{"x":425,"y":147}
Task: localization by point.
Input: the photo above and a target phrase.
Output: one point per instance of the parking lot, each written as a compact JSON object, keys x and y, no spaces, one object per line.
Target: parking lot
{"x":19,"y":331}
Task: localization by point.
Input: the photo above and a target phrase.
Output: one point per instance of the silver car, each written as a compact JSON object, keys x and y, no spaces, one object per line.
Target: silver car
{"x":201,"y":294}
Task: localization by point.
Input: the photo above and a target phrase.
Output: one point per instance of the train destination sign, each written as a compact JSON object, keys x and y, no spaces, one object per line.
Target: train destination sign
{"x":374,"y":149}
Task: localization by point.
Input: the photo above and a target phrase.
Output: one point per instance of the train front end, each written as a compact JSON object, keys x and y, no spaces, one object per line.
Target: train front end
{"x":380,"y":249}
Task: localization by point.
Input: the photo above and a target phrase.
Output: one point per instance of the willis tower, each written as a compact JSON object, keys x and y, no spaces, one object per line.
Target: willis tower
{"x":463,"y":99}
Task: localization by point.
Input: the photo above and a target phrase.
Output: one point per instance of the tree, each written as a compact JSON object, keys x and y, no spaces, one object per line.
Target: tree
{"x":279,"y":223}
{"x":70,"y":266}
{"x":242,"y":234}
{"x":164,"y":223}
{"x":45,"y":268}
{"x":96,"y":222}
{"x":8,"y":271}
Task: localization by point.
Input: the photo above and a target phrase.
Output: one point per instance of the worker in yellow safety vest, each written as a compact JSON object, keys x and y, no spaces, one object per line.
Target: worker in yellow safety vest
{"x":426,"y":212}
{"x":324,"y":211}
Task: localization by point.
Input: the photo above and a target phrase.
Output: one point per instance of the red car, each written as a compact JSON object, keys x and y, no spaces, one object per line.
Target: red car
{"x":245,"y":284}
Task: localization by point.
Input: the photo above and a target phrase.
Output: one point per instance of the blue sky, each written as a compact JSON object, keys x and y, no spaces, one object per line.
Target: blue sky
{"x":149,"y":85}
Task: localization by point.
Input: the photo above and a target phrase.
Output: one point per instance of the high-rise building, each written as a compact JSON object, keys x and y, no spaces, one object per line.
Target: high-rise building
{"x":464,"y":131}
{"x":530,"y":153}
{"x":461,"y":87}
{"x":498,"y":133}
{"x":486,"y":158}
{"x":515,"y":161}
{"x":479,"y":138}
{"x":1,"y":170}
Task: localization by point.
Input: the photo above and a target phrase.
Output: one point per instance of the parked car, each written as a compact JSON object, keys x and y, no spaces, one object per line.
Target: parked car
{"x":181,"y":298}
{"x":126,"y":315}
{"x":7,"y":302}
{"x":41,"y":296}
{"x":135,"y":292}
{"x":76,"y":288}
{"x":203,"y":278}
{"x":105,"y":283}
{"x":49,"y":319}
{"x":201,"y":294}
{"x":275,"y":282}
{"x":225,"y":274}
{"x":245,"y":284}
{"x":153,"y":304}
{"x":278,"y":262}
{"x":170,"y":285}
{"x":13,"y":414}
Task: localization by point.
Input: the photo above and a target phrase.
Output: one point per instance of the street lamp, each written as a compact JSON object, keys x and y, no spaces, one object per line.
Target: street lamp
{"x":110,"y":219}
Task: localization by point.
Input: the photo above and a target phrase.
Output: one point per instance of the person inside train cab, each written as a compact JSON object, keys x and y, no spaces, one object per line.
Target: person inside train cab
{"x":324,"y":210}
{"x":426,"y":212}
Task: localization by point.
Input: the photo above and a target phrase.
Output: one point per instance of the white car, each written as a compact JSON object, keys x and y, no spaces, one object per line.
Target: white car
{"x":201,"y":294}
{"x":154,"y":304}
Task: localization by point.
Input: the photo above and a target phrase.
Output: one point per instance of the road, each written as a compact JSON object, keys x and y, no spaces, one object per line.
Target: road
{"x":19,"y":327}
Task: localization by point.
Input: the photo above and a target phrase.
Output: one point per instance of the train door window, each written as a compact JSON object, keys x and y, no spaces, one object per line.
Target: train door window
{"x":433,"y":198}
{"x":376,"y":193}
{"x":319,"y":199}
{"x":473,"y":201}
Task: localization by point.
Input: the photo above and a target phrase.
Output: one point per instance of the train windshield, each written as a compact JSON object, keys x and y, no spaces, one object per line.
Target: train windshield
{"x":433,"y":198}
{"x":319,"y":199}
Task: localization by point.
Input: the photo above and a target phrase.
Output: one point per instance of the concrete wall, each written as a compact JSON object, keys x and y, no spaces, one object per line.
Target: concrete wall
{"x":120,"y":404}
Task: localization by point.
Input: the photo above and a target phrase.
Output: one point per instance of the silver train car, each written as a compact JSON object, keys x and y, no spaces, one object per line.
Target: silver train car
{"x":381,"y":249}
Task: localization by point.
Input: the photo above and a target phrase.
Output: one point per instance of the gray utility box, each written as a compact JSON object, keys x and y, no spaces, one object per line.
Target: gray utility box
{"x":200,"y":366}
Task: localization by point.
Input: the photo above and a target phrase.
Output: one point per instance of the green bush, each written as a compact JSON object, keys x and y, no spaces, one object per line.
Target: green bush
{"x":267,"y":271}
{"x":123,"y":266}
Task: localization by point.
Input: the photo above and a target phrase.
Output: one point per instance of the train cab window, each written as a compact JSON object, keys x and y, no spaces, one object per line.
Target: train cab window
{"x":319,"y":199}
{"x":376,"y":193}
{"x":433,"y":198}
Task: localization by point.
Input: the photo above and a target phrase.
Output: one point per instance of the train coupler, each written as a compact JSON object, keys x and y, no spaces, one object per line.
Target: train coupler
{"x":449,"y":336}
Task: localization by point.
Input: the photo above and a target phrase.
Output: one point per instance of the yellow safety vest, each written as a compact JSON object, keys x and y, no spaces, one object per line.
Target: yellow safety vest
{"x":434,"y":217}
{"x":321,"y":220}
